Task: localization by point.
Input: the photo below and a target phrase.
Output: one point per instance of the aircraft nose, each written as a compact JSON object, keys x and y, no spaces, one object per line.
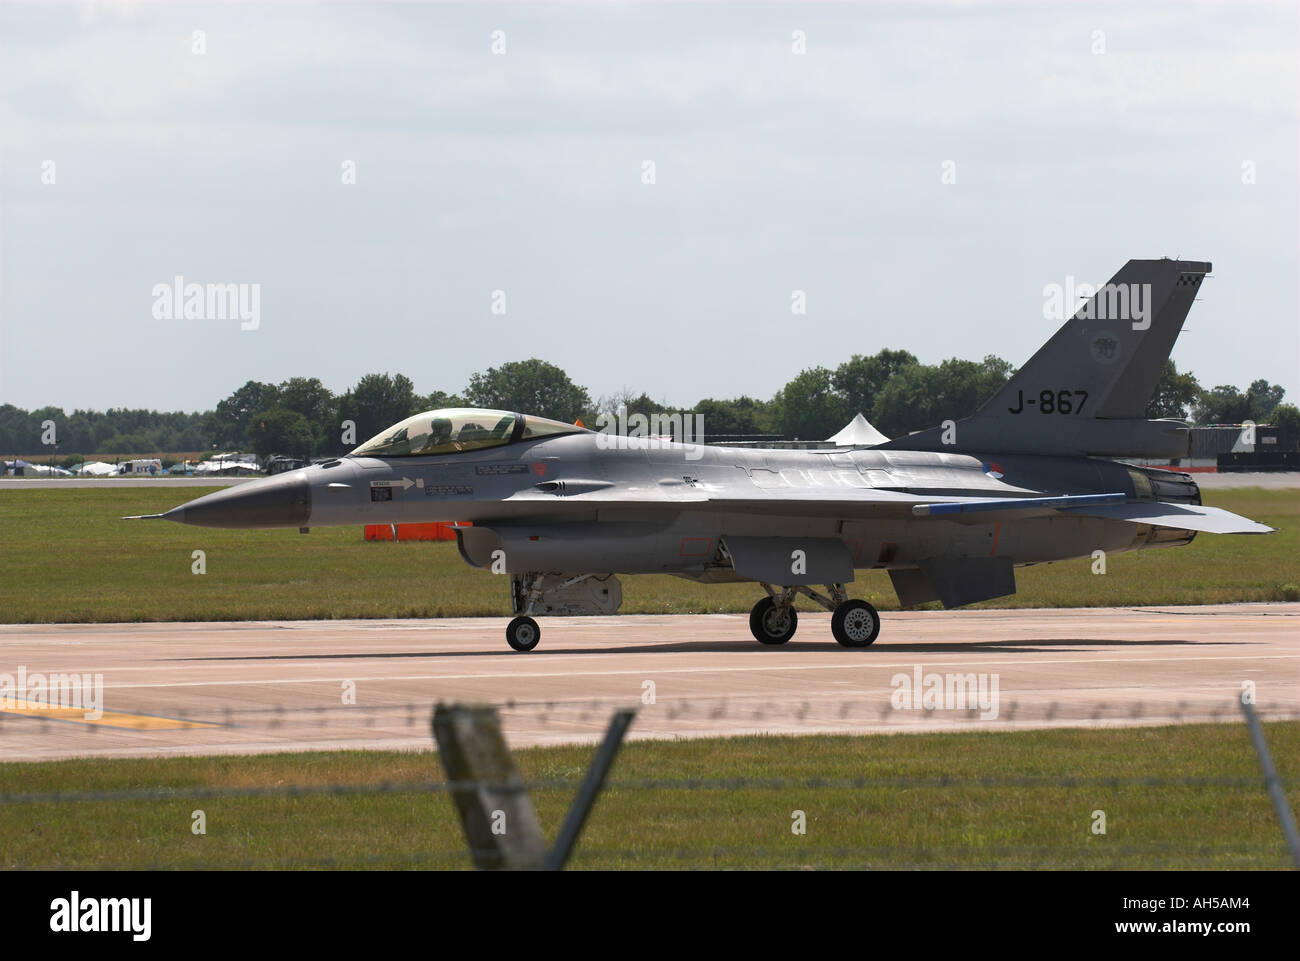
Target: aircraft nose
{"x":283,"y":501}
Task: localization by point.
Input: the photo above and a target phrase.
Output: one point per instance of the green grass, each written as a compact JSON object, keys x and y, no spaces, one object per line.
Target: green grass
{"x":66,"y":556}
{"x":959,"y":825}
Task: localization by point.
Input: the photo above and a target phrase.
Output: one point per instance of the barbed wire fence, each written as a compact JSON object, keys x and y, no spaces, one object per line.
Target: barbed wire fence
{"x":501,"y":829}
{"x":764,"y":710}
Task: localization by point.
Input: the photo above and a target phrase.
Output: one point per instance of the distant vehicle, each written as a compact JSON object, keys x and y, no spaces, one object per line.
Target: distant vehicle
{"x":949,"y":512}
{"x":150,"y":466}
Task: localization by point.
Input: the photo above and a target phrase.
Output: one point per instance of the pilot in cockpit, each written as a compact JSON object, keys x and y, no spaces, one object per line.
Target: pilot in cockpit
{"x":439,"y":433}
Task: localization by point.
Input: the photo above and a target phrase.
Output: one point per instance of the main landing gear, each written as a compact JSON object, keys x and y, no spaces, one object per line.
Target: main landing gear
{"x":773,"y":619}
{"x":772,"y":623}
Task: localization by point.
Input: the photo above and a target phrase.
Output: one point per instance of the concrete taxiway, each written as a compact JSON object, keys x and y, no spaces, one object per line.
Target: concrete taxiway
{"x":251,"y":687}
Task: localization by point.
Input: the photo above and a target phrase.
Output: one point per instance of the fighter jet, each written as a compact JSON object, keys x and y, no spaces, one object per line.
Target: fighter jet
{"x":561,"y":510}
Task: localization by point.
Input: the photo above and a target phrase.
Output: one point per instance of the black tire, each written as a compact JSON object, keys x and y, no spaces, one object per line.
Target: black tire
{"x":523,"y":634}
{"x":855,"y":624}
{"x":768,"y":625}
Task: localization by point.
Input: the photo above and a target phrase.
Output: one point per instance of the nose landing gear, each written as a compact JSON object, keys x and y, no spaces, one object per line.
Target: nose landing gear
{"x":523,"y":634}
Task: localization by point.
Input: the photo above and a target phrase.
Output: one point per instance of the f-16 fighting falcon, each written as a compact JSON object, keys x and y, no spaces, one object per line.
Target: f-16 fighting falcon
{"x":949,"y":512}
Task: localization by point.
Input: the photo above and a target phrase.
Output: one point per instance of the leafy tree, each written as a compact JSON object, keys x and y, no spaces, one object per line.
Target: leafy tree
{"x":61,"y":436}
{"x":608,"y":405}
{"x":213,"y":428}
{"x":1222,"y":405}
{"x":859,"y":380}
{"x":190,"y":438}
{"x":739,"y":417}
{"x":1286,"y":418}
{"x":921,"y":395}
{"x":127,"y":444}
{"x":991,"y":376}
{"x":1175,"y":393}
{"x":309,"y":397}
{"x":809,"y":407}
{"x":316,"y":403}
{"x":87,"y":427}
{"x":280,"y":431}
{"x":1263,"y":398}
{"x":378,"y":401}
{"x":531,"y":387}
{"x":641,"y":403}
{"x":19,"y":432}
{"x":229,"y":427}
{"x":438,"y":400}
{"x":1225,"y":404}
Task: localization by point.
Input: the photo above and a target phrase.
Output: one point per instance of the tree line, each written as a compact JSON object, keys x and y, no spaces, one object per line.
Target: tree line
{"x":301,"y":416}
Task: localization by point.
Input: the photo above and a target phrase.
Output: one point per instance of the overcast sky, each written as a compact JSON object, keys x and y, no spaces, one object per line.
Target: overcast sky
{"x":523,"y":172}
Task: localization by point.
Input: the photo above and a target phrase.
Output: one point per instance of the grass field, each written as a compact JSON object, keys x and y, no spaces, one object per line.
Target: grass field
{"x":66,"y":556}
{"x":963,"y":825}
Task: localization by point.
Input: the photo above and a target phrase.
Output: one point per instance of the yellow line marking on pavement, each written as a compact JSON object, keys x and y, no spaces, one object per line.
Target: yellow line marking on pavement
{"x":138,"y":722}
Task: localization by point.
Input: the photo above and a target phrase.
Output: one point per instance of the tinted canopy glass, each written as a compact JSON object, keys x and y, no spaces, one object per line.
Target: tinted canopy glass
{"x":457,"y":430}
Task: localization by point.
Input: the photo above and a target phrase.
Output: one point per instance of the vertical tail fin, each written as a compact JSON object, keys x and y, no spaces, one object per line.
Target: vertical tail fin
{"x":1086,"y":390}
{"x":1114,"y":348}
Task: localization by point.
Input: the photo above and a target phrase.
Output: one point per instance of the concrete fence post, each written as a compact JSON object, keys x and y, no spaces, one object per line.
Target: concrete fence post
{"x":499,"y":820}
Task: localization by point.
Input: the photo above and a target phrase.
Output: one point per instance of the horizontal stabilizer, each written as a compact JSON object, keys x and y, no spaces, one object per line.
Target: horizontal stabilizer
{"x":1188,"y":517}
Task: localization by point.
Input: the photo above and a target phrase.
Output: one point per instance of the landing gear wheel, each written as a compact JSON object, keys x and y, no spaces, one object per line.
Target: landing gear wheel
{"x":523,"y":634}
{"x":855,"y":624}
{"x":770,"y":624}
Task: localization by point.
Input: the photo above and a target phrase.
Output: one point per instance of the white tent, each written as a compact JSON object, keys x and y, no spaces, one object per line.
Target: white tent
{"x":96,"y":468}
{"x":858,"y":433}
{"x":229,"y":464}
{"x":45,"y":470}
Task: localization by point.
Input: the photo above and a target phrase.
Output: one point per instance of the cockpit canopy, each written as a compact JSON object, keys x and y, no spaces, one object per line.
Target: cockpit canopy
{"x":458,"y":429}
